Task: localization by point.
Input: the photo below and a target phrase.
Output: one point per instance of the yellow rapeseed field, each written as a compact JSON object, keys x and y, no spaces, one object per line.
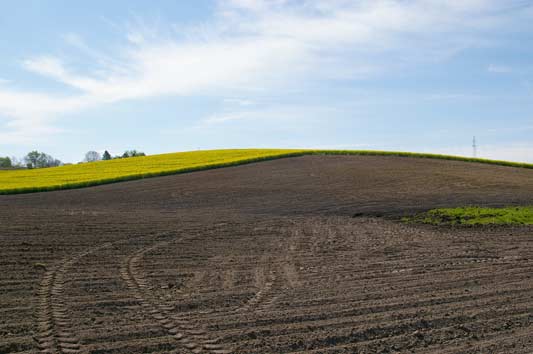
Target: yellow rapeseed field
{"x":93,"y":173}
{"x":101,"y":172}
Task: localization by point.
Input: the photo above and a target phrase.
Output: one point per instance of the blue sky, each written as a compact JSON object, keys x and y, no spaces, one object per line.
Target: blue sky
{"x":163,"y":76}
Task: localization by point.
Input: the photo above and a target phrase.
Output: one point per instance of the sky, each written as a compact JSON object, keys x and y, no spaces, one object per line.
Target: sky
{"x":164,"y":76}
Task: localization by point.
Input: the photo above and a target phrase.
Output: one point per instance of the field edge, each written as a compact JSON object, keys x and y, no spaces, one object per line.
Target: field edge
{"x":298,"y":153}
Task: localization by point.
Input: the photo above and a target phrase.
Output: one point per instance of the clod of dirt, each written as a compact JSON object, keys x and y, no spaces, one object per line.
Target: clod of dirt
{"x":40,"y":266}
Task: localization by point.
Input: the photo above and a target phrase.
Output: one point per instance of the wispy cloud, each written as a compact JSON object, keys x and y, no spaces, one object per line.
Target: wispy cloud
{"x":227,"y":117}
{"x":31,"y":114}
{"x":251,"y":46}
{"x":280,"y":117}
{"x":499,"y":69}
{"x":238,"y":101}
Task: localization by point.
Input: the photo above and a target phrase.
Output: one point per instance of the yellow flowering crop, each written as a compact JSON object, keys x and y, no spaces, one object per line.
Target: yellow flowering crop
{"x":101,"y":172}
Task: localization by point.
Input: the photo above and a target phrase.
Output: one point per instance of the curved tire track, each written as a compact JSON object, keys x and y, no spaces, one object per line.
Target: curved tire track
{"x":54,"y":332}
{"x":265,"y":282}
{"x":188,"y":335}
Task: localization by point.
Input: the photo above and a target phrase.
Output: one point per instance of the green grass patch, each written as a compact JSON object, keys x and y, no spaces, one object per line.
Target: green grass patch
{"x":102,"y":172}
{"x":473,"y":215}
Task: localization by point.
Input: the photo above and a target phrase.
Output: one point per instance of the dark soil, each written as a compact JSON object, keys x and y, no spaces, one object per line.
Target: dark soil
{"x":301,"y":255}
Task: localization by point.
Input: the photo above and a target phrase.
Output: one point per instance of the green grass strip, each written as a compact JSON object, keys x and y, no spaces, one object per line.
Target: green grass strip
{"x":103,"y":172}
{"x":474,"y":215}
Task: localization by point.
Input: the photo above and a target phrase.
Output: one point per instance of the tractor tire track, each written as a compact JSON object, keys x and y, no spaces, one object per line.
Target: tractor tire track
{"x":188,"y":335}
{"x":265,"y":280}
{"x":54,"y":331}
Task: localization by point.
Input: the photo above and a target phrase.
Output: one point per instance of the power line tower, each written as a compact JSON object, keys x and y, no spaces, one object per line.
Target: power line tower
{"x":474,"y":147}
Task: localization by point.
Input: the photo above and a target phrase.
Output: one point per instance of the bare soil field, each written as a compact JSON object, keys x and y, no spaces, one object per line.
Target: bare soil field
{"x":298,"y":255}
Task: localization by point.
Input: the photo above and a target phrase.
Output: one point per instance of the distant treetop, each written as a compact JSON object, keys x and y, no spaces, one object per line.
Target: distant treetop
{"x":5,"y":162}
{"x":132,"y":153}
{"x":106,"y":155}
{"x":92,"y":156}
{"x":36,"y":159}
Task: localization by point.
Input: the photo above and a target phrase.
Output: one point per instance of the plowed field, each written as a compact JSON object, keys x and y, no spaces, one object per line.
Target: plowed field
{"x":297,"y":255}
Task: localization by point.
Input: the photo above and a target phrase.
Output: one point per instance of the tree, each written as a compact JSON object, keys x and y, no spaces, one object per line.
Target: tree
{"x":107,"y":156}
{"x":5,"y":162}
{"x":32,"y":159}
{"x":92,"y":156}
{"x":36,"y":159}
{"x":132,"y":153}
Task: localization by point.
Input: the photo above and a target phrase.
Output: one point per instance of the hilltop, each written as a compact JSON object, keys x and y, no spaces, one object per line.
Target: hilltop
{"x":103,"y":172}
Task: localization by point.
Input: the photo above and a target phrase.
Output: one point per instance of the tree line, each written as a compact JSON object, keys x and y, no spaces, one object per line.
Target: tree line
{"x":92,"y":156}
{"x":36,"y":159}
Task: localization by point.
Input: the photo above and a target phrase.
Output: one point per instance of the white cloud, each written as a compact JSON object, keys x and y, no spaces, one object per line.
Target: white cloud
{"x":28,"y":135}
{"x":499,"y":69}
{"x":280,"y":116}
{"x":238,"y":101}
{"x":29,"y":116}
{"x":453,"y":97}
{"x":254,"y":46}
{"x":55,"y":69}
{"x":226,"y":117}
